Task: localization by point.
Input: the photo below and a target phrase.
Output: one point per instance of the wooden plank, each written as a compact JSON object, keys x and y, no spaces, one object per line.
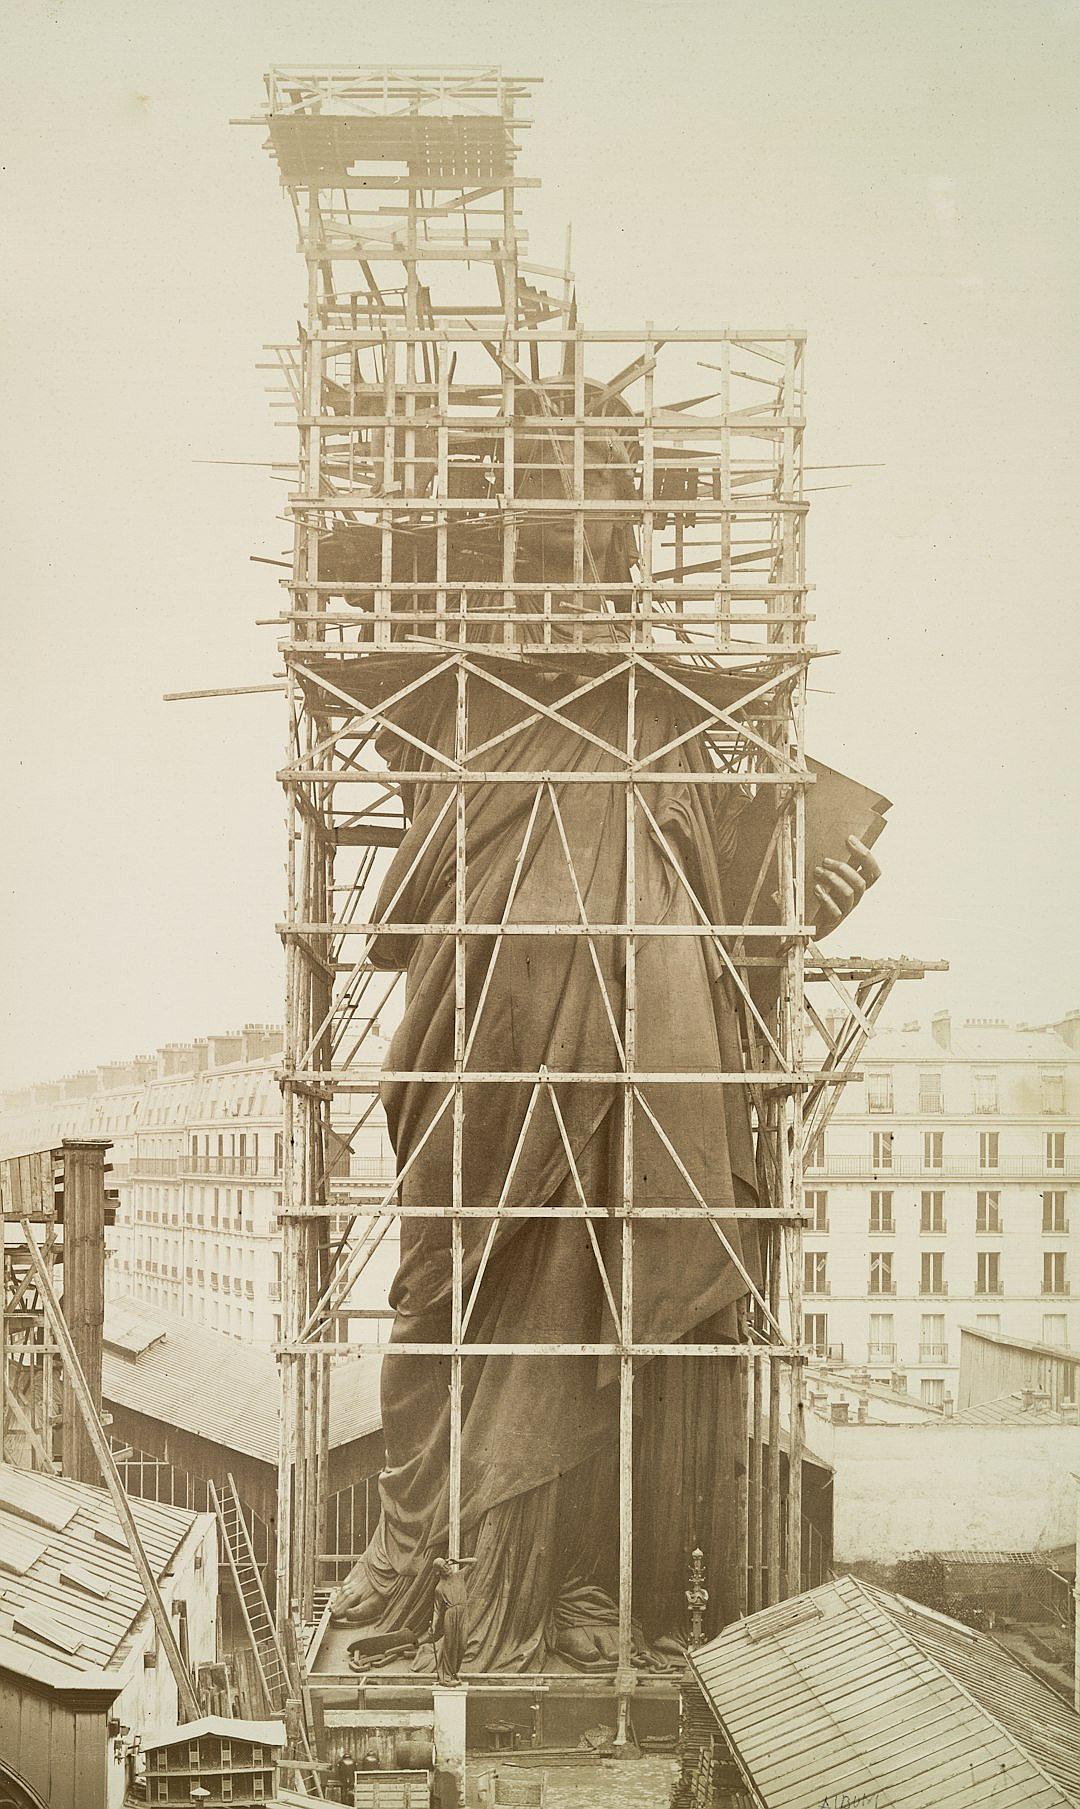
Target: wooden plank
{"x":21,"y":1546}
{"x":41,"y":1182}
{"x":84,"y":1296}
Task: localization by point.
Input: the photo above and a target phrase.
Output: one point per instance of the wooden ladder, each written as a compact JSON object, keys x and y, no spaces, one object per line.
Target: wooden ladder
{"x":259,"y":1622}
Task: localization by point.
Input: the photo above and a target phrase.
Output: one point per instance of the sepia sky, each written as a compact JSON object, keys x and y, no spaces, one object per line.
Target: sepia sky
{"x":897,"y":176}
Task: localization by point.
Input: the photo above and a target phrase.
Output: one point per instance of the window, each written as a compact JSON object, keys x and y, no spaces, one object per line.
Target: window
{"x":1053,"y":1092}
{"x":932,"y":1338}
{"x":879,"y":1092}
{"x":988,"y":1272}
{"x":930,"y":1099}
{"x":933,"y":1391}
{"x":1054,"y":1281}
{"x":988,"y":1149}
{"x":881,"y":1149}
{"x":881,"y":1345}
{"x":986,"y":1093}
{"x":988,"y":1322}
{"x":881,"y":1214}
{"x":816,"y":1328}
{"x":1055,"y":1329}
{"x":1055,"y":1149}
{"x":814,"y":1281}
{"x":817,"y":1205}
{"x":881,"y":1275}
{"x":932,"y":1272}
{"x":932,"y":1212}
{"x":988,"y":1211}
{"x":1053,"y":1212}
{"x":933,"y":1149}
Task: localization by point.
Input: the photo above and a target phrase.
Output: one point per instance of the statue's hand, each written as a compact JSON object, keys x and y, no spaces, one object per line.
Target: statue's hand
{"x":839,"y":885}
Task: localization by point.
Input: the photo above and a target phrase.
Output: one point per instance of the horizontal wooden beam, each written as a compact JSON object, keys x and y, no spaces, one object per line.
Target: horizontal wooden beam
{"x":385,"y":926}
{"x":791,"y":1353}
{"x":747,"y":337}
{"x":347,"y":1081}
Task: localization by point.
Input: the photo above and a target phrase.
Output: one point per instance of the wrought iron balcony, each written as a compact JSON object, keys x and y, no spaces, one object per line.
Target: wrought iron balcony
{"x":228,"y":1165}
{"x":956,"y":1168}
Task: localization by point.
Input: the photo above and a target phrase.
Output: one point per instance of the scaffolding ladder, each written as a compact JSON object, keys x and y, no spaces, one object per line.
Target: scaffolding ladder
{"x":254,"y":1607}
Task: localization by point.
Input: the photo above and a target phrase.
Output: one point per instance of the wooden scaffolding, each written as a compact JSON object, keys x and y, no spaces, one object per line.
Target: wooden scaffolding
{"x":438,"y":371}
{"x":62,"y":1192}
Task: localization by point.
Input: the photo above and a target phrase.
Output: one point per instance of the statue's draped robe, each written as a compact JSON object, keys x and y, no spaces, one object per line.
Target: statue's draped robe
{"x":539,"y":1484}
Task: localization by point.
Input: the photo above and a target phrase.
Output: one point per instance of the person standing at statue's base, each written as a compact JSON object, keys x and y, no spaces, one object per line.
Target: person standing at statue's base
{"x":449,"y":1619}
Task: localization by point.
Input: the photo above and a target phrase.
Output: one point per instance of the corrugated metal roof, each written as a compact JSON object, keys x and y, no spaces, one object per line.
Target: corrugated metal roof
{"x":208,"y":1384}
{"x":65,"y":1616}
{"x":850,"y":1692}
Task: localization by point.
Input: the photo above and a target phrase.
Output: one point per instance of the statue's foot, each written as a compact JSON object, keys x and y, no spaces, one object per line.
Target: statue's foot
{"x":591,"y":1647}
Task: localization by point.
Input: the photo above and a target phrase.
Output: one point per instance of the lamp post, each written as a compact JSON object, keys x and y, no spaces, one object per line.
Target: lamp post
{"x":697,"y":1596}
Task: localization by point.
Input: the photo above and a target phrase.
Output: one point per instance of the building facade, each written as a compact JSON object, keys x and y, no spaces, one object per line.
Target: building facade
{"x":196,"y":1161}
{"x":942,"y":1195}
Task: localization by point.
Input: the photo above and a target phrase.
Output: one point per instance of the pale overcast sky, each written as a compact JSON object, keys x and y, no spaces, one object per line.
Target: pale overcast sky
{"x":900,"y":178}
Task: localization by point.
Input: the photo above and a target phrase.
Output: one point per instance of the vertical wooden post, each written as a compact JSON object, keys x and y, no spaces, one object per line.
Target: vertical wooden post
{"x":648,"y":489}
{"x":772,"y":1476}
{"x":625,"y":1677}
{"x":3,"y":1350}
{"x":291,"y":1251}
{"x":461,"y":738}
{"x":742,"y":1487}
{"x":84,"y":1295}
{"x":754,"y":1492}
{"x":723,"y":625}
{"x":793,"y":890}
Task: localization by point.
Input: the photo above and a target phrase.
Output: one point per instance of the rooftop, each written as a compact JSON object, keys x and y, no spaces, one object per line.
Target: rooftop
{"x":850,"y":1693}
{"x":1021,"y":1407}
{"x":69,"y":1591}
{"x":974,"y":1040}
{"x":201,"y":1381}
{"x":1060,"y":1352}
{"x":258,"y":1733}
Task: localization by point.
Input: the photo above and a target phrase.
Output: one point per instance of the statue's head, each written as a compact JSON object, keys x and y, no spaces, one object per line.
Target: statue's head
{"x":544,"y":457}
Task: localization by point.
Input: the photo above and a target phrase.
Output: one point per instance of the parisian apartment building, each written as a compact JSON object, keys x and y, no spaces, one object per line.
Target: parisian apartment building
{"x":944,"y":1193}
{"x":196,"y":1136}
{"x":941,"y":1194}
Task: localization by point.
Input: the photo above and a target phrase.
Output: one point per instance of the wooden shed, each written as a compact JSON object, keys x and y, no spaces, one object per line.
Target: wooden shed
{"x":81,"y":1678}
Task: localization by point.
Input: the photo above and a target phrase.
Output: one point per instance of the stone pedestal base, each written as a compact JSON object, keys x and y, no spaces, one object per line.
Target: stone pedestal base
{"x":449,"y":1706}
